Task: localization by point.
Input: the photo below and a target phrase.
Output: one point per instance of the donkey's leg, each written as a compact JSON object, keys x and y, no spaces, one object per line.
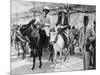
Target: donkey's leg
{"x":34,"y":59}
{"x":68,"y":54}
{"x":55,"y":57}
{"x":17,"y":47}
{"x":52,"y":56}
{"x":40,"y":57}
{"x":40,"y":65}
{"x":60,"y":55}
{"x":50,"y":53}
{"x":26,"y":47}
{"x":15,"y":44}
{"x":24,"y":51}
{"x":18,"y":52}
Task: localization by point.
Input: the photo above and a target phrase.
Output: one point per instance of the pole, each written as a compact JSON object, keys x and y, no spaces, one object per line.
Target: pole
{"x":86,"y":56}
{"x":16,"y":14}
{"x":84,"y":49}
{"x":34,"y":11}
{"x":68,"y":15}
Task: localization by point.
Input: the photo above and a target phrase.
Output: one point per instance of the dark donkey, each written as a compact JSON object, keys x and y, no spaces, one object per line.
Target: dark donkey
{"x":35,"y":37}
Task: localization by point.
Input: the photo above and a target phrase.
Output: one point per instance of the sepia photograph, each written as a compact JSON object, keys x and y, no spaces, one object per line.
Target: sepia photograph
{"x":50,"y":37}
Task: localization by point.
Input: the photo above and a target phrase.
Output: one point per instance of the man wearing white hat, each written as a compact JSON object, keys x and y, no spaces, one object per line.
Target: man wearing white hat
{"x":45,"y":20}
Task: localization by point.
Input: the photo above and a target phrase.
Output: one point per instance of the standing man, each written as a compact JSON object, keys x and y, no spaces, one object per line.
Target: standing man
{"x":20,"y":42}
{"x":86,"y":35}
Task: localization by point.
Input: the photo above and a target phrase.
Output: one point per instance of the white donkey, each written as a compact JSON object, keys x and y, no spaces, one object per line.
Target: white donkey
{"x":58,"y":41}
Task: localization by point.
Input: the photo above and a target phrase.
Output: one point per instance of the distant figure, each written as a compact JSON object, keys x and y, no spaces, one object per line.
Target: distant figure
{"x":20,"y":42}
{"x":72,"y":39}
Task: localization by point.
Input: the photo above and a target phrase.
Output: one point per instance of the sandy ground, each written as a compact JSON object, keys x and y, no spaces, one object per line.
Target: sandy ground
{"x":20,"y":66}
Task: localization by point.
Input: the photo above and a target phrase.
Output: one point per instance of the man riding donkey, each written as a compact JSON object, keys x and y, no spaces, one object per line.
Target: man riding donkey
{"x":44,"y":21}
{"x":62,"y":28}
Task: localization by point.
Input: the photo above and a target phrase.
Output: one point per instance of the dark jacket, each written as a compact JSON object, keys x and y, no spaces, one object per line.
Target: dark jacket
{"x":60,"y":19}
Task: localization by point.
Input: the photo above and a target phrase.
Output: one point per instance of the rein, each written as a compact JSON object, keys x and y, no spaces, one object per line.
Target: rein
{"x":25,"y":30}
{"x":30,"y":23}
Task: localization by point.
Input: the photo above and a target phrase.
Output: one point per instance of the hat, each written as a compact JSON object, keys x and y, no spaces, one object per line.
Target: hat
{"x":46,"y":8}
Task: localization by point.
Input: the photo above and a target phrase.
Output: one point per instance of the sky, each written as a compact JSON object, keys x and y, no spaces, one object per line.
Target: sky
{"x":19,"y":6}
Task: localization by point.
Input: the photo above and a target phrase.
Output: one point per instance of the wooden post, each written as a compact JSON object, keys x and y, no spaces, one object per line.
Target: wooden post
{"x":84,"y":50}
{"x":34,"y":10}
{"x":68,"y":15}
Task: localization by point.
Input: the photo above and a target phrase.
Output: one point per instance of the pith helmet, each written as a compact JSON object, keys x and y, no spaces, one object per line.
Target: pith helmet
{"x":46,"y":8}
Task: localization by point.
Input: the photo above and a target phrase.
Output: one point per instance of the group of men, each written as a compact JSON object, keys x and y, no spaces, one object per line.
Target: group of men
{"x":87,"y":35}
